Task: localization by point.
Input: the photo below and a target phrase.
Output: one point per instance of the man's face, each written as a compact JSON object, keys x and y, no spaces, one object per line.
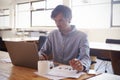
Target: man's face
{"x":61,"y":22}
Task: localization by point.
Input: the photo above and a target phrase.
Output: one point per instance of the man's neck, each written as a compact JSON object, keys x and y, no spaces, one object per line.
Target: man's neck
{"x":66,"y":30}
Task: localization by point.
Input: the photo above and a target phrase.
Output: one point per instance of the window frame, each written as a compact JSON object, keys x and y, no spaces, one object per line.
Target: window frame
{"x":5,"y":15}
{"x":33,"y":10}
{"x":17,"y":13}
{"x":112,"y":4}
{"x":40,"y":9}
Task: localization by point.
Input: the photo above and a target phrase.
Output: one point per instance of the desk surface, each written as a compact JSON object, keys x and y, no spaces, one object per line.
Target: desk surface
{"x":22,"y":39}
{"x":11,"y":72}
{"x":105,"y":46}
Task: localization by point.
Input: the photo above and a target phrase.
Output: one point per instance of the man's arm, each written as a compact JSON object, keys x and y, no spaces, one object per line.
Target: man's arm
{"x":84,"y":55}
{"x":82,"y":62}
{"x":45,"y":50}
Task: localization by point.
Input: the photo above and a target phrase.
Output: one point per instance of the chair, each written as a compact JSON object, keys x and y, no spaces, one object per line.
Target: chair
{"x":113,"y":41}
{"x":2,"y":45}
{"x":41,"y":41}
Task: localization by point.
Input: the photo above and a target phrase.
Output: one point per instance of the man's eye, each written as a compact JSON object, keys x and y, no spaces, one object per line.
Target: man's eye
{"x":61,"y":20}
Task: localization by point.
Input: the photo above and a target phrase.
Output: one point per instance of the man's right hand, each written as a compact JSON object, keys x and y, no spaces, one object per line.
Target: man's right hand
{"x":43,"y":57}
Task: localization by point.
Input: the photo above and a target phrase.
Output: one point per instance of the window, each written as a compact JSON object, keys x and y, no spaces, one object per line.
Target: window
{"x":38,"y":5}
{"x":115,"y":13}
{"x":4,"y":18}
{"x":41,"y":14}
{"x":53,"y":3}
{"x":42,"y":18}
{"x":23,"y":15}
{"x":35,"y":13}
{"x":91,"y":13}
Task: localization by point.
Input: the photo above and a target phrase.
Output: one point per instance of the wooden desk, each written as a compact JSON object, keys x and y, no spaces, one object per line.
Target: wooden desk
{"x":11,"y":72}
{"x":113,"y":50}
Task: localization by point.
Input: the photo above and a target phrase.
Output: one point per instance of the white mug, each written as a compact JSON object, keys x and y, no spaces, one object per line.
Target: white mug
{"x":44,"y":66}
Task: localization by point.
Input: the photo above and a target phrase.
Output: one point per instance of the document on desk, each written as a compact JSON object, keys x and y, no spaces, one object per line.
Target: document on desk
{"x":62,"y":71}
{"x":105,"y":76}
{"x":7,"y":60}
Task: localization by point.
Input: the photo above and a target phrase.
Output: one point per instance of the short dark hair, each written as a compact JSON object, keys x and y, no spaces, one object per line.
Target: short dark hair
{"x":66,"y":11}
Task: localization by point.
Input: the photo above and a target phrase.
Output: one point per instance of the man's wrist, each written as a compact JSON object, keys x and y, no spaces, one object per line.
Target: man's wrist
{"x":43,"y":57}
{"x":84,"y":68}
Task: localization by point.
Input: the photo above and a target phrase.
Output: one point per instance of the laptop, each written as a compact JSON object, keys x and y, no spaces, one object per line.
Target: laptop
{"x":23,"y":53}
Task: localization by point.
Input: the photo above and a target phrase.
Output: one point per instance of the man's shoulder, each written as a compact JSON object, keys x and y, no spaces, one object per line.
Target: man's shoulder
{"x":78,"y":31}
{"x":53,"y":32}
{"x":81,"y":33}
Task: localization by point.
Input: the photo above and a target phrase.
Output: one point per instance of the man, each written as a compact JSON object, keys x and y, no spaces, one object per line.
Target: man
{"x":66,"y":44}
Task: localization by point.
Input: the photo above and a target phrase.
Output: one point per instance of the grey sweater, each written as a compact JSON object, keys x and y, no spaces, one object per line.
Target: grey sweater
{"x":66,"y":47}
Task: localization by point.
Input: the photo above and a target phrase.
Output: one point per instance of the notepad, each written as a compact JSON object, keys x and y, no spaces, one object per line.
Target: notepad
{"x":105,"y":76}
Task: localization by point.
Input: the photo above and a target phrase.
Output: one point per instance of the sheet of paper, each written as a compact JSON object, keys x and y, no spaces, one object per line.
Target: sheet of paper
{"x":8,"y":60}
{"x":105,"y":76}
{"x":50,"y":76}
{"x":62,"y":71}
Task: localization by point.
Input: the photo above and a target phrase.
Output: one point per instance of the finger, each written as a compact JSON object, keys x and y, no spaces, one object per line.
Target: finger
{"x":75,"y":64}
{"x":78,"y":66}
{"x":72,"y":62}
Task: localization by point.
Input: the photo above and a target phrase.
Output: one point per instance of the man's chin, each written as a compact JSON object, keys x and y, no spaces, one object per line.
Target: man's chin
{"x":60,"y":28}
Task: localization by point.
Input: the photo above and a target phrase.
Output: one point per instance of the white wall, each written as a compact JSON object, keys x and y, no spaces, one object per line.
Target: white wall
{"x":98,"y":35}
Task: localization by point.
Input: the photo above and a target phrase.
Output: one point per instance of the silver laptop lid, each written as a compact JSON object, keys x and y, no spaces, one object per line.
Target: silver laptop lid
{"x":23,"y":53}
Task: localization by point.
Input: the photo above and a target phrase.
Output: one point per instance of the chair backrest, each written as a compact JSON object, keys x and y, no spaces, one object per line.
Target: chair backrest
{"x":114,"y":41}
{"x":2,"y":45}
{"x":42,"y":40}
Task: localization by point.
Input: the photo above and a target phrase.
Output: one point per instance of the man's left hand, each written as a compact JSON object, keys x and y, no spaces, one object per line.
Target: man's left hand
{"x":76,"y":64}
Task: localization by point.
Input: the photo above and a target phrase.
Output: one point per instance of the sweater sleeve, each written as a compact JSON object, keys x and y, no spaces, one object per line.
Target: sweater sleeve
{"x":46,"y":48}
{"x":84,"y":55}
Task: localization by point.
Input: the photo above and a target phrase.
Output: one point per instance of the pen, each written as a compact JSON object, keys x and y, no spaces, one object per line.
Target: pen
{"x":78,"y":72}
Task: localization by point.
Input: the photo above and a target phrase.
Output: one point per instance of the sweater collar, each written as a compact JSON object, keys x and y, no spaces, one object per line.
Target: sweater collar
{"x":73,"y":29}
